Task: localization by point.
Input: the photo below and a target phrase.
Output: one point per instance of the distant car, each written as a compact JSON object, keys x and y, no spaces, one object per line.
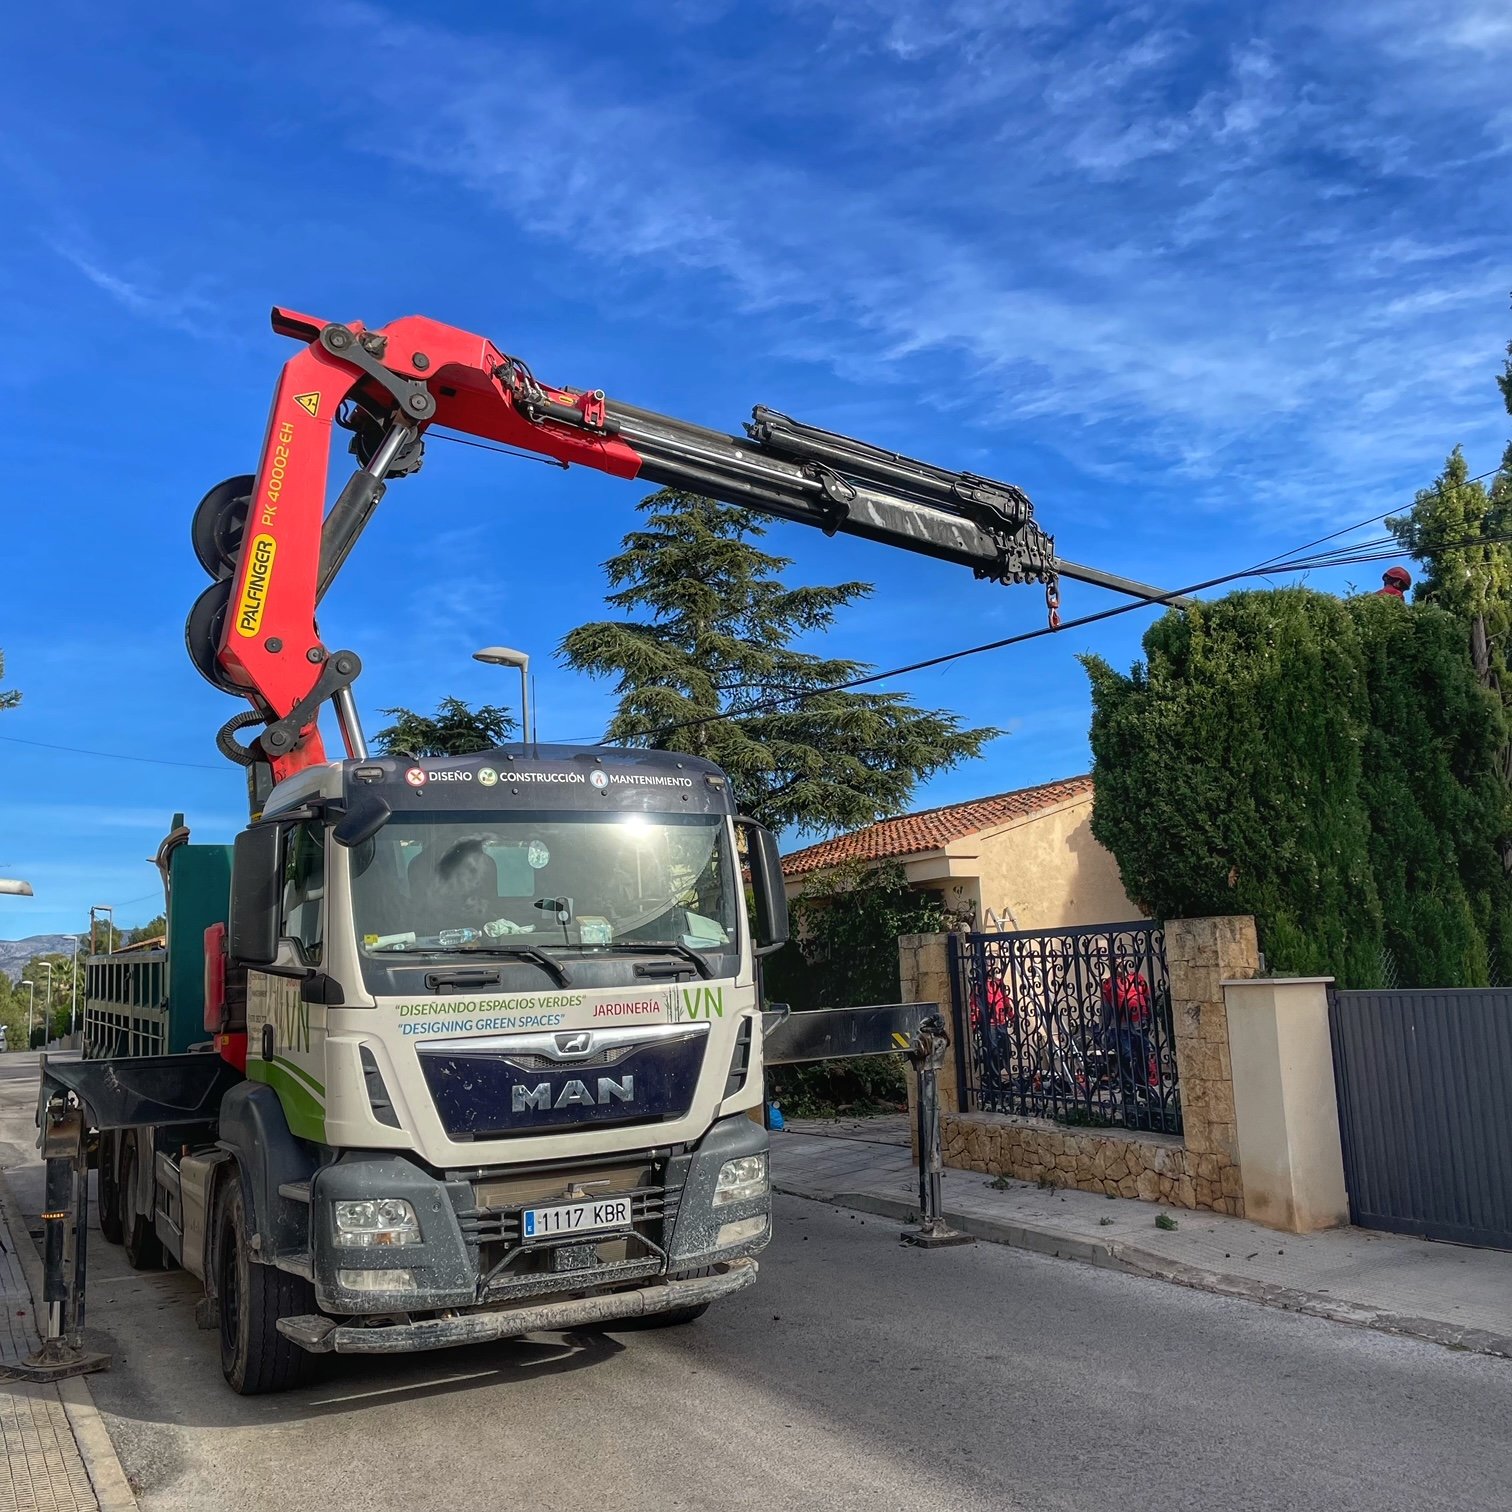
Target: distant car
{"x":4,"y":1038}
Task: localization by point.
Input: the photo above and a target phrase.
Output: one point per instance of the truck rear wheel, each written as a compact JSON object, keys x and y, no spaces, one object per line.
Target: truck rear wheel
{"x":255,"y":1357}
{"x":144,"y":1250}
{"x":108,"y":1205}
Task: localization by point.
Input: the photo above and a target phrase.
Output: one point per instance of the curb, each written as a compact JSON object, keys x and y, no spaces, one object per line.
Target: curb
{"x":107,"y":1476}
{"x":1134,"y":1261}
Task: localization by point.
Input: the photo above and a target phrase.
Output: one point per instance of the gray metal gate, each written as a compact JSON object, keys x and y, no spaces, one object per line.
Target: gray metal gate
{"x":1425,"y":1110}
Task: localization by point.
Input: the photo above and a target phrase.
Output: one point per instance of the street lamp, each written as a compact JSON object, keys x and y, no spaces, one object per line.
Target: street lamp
{"x":46,"y":966}
{"x":73,"y":1001}
{"x":31,"y":1004}
{"x":504,"y":656}
{"x":101,"y":908}
{"x":14,"y":888}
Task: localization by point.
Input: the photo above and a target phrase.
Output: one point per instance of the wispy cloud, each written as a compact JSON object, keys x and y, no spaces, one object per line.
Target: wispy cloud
{"x":1217,"y":243}
{"x":183,"y":309}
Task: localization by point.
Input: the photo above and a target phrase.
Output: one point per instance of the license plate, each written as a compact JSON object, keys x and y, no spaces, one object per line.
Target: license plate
{"x":586,"y":1217}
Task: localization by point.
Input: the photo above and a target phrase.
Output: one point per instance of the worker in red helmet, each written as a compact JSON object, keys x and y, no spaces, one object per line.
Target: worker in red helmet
{"x":1395,"y":582}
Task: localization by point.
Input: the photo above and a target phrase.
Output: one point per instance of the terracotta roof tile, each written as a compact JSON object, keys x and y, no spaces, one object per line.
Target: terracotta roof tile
{"x":931,"y":829}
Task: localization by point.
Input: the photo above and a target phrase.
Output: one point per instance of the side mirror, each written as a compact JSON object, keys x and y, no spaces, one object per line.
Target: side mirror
{"x":362,"y":821}
{"x":771,"y":932}
{"x":256,"y":882}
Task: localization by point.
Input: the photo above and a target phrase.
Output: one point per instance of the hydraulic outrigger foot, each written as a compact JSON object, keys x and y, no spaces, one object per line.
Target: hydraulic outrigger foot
{"x":927,"y":1052}
{"x":65,"y":1214}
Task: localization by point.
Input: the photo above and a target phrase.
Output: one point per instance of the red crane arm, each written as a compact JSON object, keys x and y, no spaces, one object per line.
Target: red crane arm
{"x":274,"y":550}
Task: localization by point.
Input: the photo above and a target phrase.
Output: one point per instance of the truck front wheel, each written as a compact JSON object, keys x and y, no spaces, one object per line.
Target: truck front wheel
{"x":676,"y":1317}
{"x":255,"y":1357}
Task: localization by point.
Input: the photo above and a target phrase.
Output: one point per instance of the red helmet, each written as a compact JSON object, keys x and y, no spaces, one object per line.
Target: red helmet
{"x":1398,"y":575}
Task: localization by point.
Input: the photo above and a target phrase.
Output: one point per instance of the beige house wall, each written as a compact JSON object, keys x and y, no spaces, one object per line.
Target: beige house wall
{"x":1049,"y":872}
{"x":1044,"y":871}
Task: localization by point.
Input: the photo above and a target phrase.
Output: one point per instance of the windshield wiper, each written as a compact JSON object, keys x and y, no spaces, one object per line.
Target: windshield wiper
{"x":657,"y":947}
{"x":536,"y":956}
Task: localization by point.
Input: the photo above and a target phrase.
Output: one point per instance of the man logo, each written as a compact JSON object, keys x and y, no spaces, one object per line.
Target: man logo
{"x":574,"y":1044}
{"x":575,"y":1094}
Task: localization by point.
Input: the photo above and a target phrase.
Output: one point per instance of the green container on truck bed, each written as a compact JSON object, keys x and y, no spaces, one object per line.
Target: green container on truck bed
{"x":151,"y":1000}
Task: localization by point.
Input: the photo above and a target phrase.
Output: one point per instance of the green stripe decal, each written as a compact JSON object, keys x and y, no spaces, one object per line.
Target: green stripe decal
{"x":304,"y":1111}
{"x":301,"y":1073}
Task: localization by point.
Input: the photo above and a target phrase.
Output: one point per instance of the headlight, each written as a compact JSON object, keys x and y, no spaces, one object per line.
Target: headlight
{"x":376,"y":1280}
{"x":740,"y":1180}
{"x":740,"y":1231}
{"x":385,"y":1220}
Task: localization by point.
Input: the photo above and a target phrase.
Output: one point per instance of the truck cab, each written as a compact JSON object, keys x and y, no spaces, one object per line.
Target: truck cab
{"x":498,"y":1018}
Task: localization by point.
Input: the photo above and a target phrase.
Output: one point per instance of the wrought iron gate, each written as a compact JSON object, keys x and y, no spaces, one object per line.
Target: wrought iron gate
{"x":1425,"y":1111}
{"x":1068,"y":1024}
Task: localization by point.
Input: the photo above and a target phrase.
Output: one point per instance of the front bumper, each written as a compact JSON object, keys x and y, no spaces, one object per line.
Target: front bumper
{"x":473,"y":1255}
{"x":321,"y":1335}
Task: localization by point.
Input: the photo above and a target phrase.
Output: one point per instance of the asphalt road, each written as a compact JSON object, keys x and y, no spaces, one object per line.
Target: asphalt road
{"x":857,"y":1373}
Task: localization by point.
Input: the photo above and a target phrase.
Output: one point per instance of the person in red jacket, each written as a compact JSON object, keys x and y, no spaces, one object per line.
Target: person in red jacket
{"x":1125,"y":1032}
{"x":1395,"y":582}
{"x":997,"y":1011}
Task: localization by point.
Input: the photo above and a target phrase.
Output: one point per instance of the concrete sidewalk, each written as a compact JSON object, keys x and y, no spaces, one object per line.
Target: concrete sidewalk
{"x":58,"y":1456}
{"x":1445,"y":1293}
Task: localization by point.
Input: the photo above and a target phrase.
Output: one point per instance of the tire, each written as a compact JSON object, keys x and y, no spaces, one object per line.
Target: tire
{"x":109,"y":1204}
{"x":255,"y":1357}
{"x":144,"y":1250}
{"x":677,"y":1317}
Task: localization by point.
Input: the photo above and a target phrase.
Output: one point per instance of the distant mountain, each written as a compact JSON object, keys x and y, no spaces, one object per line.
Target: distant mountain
{"x":14,"y":954}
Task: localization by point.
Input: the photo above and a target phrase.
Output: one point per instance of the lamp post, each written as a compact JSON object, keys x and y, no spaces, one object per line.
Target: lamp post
{"x":31,"y":1004}
{"x":504,"y":656}
{"x":101,"y":908}
{"x":73,"y":1001}
{"x":15,"y":888}
{"x":46,"y":966}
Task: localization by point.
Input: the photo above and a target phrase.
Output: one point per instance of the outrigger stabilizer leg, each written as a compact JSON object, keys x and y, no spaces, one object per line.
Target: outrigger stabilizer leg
{"x":927,"y":1052}
{"x":65,"y":1218}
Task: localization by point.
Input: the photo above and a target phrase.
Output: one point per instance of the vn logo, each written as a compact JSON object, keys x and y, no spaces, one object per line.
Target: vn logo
{"x":291,"y":1022}
{"x":703,"y":1002}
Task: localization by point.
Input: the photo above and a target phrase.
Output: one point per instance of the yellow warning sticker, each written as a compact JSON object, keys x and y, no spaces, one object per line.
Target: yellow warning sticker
{"x":254,"y":594}
{"x":310,"y":402}
{"x":900,"y":1040}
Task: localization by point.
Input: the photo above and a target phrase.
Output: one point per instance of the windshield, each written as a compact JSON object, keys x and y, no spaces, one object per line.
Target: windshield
{"x":552,"y":881}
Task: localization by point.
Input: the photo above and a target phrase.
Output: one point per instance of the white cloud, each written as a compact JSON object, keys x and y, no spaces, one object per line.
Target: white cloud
{"x":1090,"y":224}
{"x":183,"y":309}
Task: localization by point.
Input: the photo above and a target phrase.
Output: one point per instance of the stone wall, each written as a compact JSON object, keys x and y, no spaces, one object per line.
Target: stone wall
{"x":1153,"y":1166}
{"x":1199,"y":1170}
{"x":1201,"y":954}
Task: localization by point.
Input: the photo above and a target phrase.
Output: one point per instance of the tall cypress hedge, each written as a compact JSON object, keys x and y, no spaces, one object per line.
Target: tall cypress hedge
{"x":1326,"y":765}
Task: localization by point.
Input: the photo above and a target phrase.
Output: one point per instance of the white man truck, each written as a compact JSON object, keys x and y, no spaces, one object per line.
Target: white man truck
{"x":502,"y":1056}
{"x":456,"y":1049}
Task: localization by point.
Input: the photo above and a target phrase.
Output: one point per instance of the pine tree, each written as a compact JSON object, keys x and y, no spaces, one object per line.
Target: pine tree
{"x":708,"y":667}
{"x":9,"y":698}
{"x":454,"y":730}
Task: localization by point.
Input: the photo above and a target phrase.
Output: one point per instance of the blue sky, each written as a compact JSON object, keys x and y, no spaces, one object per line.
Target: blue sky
{"x":1206,"y":280}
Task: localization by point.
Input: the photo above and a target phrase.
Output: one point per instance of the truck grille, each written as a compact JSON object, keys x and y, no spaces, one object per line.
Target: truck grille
{"x":510,"y":1267}
{"x":523,"y":1084}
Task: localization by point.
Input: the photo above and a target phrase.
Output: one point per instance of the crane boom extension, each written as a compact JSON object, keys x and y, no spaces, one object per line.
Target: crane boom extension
{"x":274,"y":552}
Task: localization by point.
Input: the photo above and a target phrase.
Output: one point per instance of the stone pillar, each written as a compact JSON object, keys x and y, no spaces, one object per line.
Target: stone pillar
{"x":1201,"y":954}
{"x":1287,"y":1113}
{"x":924,"y":975}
